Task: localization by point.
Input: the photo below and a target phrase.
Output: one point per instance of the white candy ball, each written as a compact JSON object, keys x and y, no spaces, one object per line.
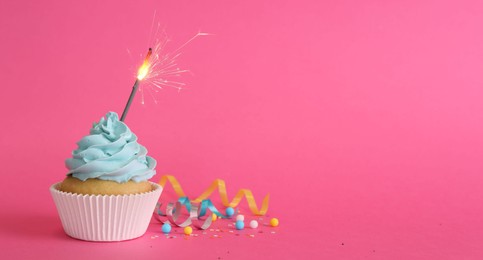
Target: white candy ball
{"x":253,"y":224}
{"x":240,"y":217}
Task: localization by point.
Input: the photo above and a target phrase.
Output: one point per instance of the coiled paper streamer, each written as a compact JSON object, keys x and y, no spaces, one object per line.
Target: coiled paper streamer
{"x":196,"y":212}
{"x":220,"y":185}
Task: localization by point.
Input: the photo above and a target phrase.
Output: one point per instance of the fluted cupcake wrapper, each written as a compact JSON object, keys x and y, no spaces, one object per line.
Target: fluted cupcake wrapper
{"x":105,"y":217}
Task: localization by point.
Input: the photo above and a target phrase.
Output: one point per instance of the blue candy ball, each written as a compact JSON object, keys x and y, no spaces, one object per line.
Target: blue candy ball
{"x":239,"y":224}
{"x":166,"y":228}
{"x":229,"y":211}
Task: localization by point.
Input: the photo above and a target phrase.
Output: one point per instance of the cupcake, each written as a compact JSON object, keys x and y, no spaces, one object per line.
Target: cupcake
{"x":106,"y":195}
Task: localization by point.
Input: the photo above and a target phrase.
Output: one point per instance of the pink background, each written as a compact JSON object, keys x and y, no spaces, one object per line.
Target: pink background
{"x":362,"y":119}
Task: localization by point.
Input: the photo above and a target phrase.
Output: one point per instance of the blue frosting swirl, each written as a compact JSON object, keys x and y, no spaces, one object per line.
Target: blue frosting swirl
{"x":111,"y":152}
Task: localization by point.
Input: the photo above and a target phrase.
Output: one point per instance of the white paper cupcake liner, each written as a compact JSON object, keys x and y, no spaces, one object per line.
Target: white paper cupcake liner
{"x":103,"y":217}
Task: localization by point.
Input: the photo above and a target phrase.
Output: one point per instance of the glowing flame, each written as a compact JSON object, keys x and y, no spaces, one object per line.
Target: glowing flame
{"x":144,"y":69}
{"x":160,"y":68}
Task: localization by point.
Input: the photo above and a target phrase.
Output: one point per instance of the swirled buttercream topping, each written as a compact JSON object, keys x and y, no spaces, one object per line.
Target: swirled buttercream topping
{"x":110,"y":152}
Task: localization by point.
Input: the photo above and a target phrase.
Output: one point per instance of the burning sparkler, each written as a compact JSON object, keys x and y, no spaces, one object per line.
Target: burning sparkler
{"x":142,"y":73}
{"x":157,"y":70}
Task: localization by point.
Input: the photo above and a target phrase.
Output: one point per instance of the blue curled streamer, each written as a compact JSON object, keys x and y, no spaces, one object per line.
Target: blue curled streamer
{"x":195,"y":212}
{"x":205,"y":204}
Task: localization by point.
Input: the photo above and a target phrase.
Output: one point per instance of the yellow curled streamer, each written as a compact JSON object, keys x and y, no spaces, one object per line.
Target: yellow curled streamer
{"x":220,"y":184}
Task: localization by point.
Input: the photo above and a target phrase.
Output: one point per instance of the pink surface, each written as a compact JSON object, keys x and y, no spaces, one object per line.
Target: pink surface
{"x":363,"y":119}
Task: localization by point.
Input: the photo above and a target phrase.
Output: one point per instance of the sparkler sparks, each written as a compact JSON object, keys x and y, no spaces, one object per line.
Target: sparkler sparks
{"x":158,"y":69}
{"x":162,"y":69}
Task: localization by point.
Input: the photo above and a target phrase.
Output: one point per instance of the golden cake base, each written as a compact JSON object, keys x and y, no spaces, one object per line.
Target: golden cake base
{"x":102,"y":187}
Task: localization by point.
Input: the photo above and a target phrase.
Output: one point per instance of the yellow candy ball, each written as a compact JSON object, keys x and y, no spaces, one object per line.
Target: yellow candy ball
{"x":188,"y":230}
{"x":274,"y":222}
{"x":214,"y":217}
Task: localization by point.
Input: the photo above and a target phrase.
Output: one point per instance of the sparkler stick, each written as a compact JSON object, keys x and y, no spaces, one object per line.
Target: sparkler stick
{"x":142,"y":72}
